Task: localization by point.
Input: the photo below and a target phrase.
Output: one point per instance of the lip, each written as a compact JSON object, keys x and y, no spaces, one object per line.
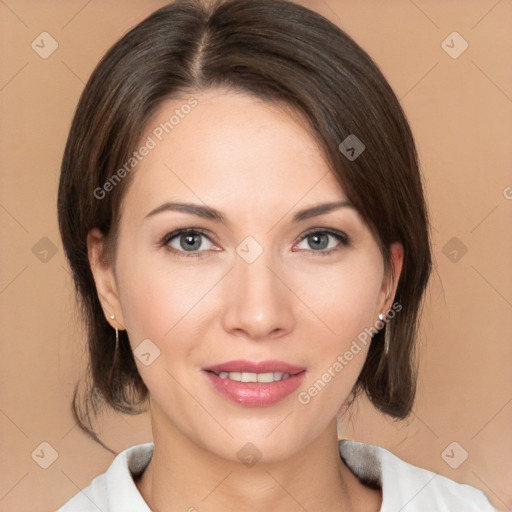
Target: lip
{"x":242,"y":365}
{"x":255,"y":394}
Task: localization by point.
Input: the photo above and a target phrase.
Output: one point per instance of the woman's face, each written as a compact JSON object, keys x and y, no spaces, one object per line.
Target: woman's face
{"x":259,"y":286}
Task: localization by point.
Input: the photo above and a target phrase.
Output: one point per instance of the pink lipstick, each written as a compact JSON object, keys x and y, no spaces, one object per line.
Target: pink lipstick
{"x":255,"y":384}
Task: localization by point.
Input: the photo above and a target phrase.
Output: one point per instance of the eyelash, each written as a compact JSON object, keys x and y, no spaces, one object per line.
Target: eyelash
{"x":340,"y":236}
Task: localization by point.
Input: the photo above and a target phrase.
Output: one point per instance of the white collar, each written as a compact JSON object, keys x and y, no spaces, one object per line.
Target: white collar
{"x":405,"y":487}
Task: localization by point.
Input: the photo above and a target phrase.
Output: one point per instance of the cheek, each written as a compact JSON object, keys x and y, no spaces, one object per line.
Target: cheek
{"x":347,"y":316}
{"x":356,"y":295}
{"x":160,"y":307}
{"x":151,"y":304}
{"x":157,"y":294}
{"x":345,"y":298}
{"x":158,"y":298}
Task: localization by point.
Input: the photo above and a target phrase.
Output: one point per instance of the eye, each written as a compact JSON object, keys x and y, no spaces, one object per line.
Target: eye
{"x":322,"y":239}
{"x":187,"y":242}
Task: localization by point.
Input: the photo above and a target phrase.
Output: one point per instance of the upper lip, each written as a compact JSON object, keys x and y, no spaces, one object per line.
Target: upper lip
{"x":241,"y":365}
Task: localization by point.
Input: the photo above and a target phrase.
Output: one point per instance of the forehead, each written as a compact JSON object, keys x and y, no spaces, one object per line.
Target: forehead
{"x":221,"y":146}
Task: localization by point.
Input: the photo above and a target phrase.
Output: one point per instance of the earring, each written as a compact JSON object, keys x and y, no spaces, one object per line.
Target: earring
{"x":112,"y":317}
{"x":382,"y":318}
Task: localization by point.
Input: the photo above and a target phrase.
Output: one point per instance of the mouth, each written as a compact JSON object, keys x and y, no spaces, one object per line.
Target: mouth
{"x":253,"y":377}
{"x":255,"y":384}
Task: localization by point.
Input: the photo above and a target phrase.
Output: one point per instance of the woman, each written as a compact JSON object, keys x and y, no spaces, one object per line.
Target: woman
{"x":242,"y":209}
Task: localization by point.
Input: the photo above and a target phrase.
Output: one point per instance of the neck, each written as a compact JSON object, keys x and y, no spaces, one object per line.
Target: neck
{"x":183,"y":476}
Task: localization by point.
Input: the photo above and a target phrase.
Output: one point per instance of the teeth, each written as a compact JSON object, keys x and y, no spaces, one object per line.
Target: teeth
{"x":254,"y":377}
{"x":269,"y":377}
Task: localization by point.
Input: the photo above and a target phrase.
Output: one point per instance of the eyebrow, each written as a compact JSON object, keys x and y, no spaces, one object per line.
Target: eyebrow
{"x":210,"y":213}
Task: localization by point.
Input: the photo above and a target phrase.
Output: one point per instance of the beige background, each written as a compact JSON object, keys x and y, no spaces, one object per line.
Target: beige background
{"x":461,"y":113}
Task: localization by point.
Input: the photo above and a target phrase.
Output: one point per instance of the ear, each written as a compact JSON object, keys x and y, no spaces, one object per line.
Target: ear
{"x":391,"y":278}
{"x":103,"y":273}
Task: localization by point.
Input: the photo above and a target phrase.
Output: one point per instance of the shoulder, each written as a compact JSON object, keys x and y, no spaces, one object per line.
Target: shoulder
{"x":409,"y":488}
{"x":115,"y":490}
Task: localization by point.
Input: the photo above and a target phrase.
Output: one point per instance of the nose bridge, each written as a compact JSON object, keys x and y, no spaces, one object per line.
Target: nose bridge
{"x":259,"y":303}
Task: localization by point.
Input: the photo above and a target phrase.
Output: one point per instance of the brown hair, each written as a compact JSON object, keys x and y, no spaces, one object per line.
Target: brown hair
{"x":283,"y":53}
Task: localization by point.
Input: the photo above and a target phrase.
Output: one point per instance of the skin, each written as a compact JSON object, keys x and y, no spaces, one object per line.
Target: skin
{"x":258,"y":165}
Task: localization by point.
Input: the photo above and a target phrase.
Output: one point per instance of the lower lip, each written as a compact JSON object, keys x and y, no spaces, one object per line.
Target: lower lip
{"x":256,"y":394}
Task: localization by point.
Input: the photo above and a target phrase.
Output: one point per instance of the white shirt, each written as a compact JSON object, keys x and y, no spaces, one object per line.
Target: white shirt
{"x":405,"y":488}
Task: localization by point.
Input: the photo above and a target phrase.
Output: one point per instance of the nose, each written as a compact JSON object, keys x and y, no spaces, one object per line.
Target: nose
{"x":258,"y":303}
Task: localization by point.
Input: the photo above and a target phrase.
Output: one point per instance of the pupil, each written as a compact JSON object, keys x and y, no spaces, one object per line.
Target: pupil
{"x":190,"y":242}
{"x":316,"y":240}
